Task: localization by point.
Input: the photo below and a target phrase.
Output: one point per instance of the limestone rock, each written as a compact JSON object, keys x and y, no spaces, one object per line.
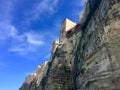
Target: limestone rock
{"x":97,"y":61}
{"x":87,"y":55}
{"x":32,"y":82}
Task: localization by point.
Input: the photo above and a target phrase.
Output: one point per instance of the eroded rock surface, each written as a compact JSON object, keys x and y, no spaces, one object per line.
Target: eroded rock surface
{"x":97,"y":59}
{"x":87,"y":56}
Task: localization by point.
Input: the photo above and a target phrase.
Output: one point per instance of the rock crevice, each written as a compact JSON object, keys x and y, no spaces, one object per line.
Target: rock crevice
{"x":87,"y":54}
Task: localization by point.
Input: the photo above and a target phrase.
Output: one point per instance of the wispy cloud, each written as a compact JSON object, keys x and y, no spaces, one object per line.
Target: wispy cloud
{"x":46,"y":6}
{"x":26,"y":43}
{"x":42,"y":8}
{"x":34,"y":39}
{"x":5,"y":9}
{"x":7,"y":30}
{"x":22,"y":43}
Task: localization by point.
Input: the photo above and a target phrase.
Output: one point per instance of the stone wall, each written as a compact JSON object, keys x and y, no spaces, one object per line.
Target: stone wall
{"x":89,"y":56}
{"x":97,"y":59}
{"x":65,"y":27}
{"x":32,"y":82}
{"x":59,"y":76}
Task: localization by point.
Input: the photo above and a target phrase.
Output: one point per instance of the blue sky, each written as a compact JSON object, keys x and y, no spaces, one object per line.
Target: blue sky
{"x":27,"y":31}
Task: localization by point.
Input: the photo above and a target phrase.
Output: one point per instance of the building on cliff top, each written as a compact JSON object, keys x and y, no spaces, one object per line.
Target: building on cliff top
{"x":90,"y":57}
{"x":65,"y":27}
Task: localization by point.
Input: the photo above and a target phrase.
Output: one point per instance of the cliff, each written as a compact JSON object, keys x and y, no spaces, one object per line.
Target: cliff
{"x":87,"y":54}
{"x":33,"y":80}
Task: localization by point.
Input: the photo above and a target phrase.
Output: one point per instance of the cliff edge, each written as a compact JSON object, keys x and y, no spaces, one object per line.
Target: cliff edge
{"x":87,"y":54}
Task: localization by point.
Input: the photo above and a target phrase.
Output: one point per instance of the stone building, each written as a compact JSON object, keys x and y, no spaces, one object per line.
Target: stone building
{"x":66,"y":26}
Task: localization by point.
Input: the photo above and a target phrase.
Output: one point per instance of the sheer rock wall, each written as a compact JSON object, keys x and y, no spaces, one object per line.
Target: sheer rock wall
{"x":97,"y":59}
{"x":88,"y":58}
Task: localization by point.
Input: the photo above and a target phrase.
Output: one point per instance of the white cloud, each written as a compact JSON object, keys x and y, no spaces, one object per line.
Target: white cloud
{"x":7,"y":30}
{"x":6,"y":8}
{"x":34,"y":39}
{"x":26,"y":43}
{"x":22,"y":43}
{"x":44,"y":7}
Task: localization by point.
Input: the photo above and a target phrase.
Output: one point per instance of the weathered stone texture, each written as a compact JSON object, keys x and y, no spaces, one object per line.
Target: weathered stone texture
{"x":32,"y":82}
{"x":97,"y":64}
{"x":60,"y":73}
{"x":87,"y":56}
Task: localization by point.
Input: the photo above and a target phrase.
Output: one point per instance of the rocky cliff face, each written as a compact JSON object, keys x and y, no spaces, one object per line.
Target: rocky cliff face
{"x":88,"y":57}
{"x":32,"y":82}
{"x":97,"y":59}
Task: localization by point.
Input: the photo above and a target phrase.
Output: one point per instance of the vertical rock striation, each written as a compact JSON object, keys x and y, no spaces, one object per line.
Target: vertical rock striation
{"x":87,"y":54}
{"x":32,"y":82}
{"x":97,"y":59}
